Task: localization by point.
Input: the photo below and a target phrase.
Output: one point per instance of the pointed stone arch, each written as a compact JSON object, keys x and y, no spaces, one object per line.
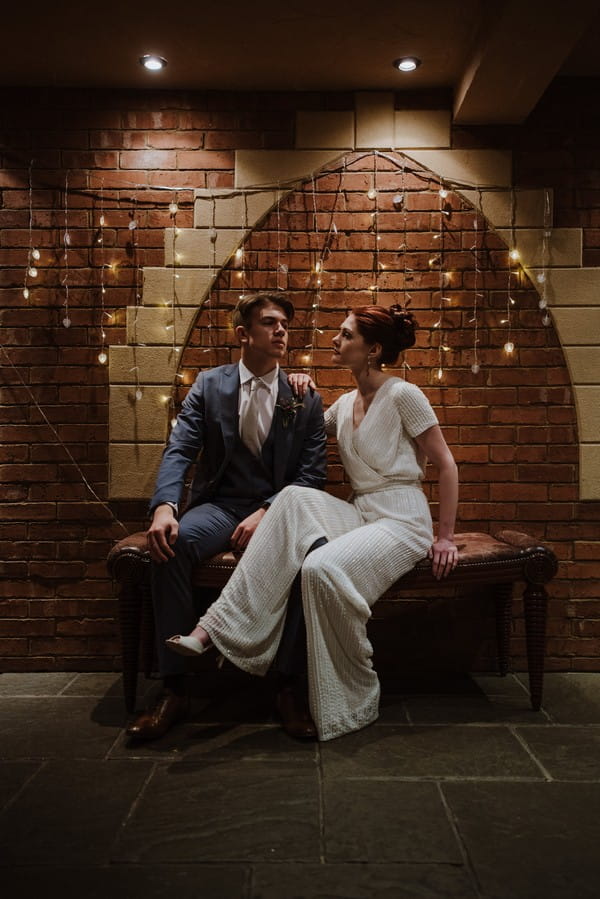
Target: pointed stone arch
{"x":224,"y":219}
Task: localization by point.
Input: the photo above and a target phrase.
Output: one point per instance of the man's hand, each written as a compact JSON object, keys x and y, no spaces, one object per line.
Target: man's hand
{"x":300,"y":383}
{"x":444,"y":557}
{"x":162,"y":533}
{"x":241,"y":536}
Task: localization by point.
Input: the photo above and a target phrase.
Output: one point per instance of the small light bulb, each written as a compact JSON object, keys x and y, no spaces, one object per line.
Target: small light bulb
{"x":138,"y":393}
{"x":372,"y":193}
{"x":212,"y":234}
{"x":440,"y":374}
{"x":173,"y":208}
{"x":67,"y":238}
{"x":102,"y":221}
{"x":509,"y":347}
{"x":26,"y":293}
{"x":152,"y":62}
{"x":514,"y":254}
{"x":173,"y":422}
{"x":398,"y":199}
{"x":67,"y":322}
{"x":475,"y":368}
{"x":318,"y":266}
{"x":239,"y":254}
{"x":546,"y":320}
{"x":102,"y":358}
{"x":35,"y":254}
{"x":443,"y":193}
{"x":541,"y":277}
{"x":32,"y":271}
{"x":132,"y":225}
{"x":543,"y":303}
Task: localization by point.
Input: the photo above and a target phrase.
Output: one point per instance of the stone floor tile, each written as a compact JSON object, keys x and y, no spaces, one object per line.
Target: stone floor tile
{"x":59,"y":727}
{"x":12,"y":777}
{"x":361,"y":881}
{"x":530,"y":840}
{"x":105,"y":684}
{"x":70,"y":812}
{"x":436,"y":751}
{"x":46,"y":683}
{"x":230,"y":810}
{"x":392,"y":709}
{"x":499,"y":708}
{"x":387,"y":821}
{"x":567,"y":753}
{"x":571,"y":697}
{"x":221,"y":742}
{"x":129,"y":882}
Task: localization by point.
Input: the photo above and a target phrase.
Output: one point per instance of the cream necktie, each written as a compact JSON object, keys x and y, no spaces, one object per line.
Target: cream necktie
{"x":250,"y":433}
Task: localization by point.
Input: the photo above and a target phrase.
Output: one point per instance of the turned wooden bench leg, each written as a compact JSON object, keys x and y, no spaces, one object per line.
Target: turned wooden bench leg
{"x":130,"y":615}
{"x":148,"y":638}
{"x":535,"y":600}
{"x":502,"y":594}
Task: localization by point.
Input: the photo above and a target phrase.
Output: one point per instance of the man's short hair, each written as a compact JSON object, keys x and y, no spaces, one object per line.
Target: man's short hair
{"x":242,"y":314}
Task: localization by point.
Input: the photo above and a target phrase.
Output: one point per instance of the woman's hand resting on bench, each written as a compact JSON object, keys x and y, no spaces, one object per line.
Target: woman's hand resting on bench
{"x":444,"y":558}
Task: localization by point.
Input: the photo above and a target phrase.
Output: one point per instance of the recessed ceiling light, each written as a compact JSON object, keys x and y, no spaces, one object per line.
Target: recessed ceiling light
{"x":407,"y":63}
{"x":153,"y":62}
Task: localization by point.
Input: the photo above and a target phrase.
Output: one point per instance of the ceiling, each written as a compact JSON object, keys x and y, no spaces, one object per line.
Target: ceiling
{"x":495,"y":59}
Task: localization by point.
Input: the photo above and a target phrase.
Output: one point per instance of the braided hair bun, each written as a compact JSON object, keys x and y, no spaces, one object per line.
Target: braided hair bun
{"x":405,"y":325}
{"x":393,"y":328}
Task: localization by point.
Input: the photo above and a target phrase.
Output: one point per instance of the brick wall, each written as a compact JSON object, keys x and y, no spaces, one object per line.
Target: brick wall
{"x":512,"y":425}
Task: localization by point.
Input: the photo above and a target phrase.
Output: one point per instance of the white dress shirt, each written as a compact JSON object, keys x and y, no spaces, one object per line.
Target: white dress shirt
{"x":266,"y":398}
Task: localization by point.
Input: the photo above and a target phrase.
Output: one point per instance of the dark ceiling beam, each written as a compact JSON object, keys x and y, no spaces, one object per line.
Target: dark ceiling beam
{"x":519,"y":49}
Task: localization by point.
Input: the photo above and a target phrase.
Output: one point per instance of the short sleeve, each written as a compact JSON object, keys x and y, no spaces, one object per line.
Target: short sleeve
{"x":331,"y":418}
{"x":415,"y":409}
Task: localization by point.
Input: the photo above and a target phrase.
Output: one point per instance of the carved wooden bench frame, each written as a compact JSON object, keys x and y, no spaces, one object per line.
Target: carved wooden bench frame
{"x":492,"y":563}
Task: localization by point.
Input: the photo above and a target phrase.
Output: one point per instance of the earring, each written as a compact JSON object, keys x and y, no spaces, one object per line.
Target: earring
{"x":368,"y":364}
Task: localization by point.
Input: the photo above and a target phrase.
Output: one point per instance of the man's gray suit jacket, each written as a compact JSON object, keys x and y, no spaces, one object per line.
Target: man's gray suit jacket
{"x":206,"y":433}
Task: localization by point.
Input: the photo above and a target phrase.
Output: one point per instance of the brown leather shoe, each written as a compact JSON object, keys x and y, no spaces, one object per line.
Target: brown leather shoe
{"x":157,"y":720}
{"x":292,"y":705}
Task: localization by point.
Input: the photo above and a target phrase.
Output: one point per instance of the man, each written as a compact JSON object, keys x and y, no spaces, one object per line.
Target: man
{"x":250,"y":437}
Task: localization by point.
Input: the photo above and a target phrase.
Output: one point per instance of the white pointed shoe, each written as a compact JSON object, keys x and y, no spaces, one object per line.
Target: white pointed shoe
{"x":187,"y":646}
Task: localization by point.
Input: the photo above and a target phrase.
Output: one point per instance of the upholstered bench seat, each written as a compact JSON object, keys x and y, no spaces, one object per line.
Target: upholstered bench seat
{"x":493,"y":563}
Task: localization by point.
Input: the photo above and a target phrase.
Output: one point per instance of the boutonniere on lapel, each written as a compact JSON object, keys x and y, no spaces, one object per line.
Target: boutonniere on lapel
{"x":289,"y":405}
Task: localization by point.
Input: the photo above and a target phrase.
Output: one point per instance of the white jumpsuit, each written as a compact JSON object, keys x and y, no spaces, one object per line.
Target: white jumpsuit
{"x":374,"y":539}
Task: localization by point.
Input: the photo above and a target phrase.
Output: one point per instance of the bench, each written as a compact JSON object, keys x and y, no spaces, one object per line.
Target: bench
{"x":493,"y":564}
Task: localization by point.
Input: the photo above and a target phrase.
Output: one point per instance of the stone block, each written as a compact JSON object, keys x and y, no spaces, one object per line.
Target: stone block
{"x":182,"y":286}
{"x":472,"y":168}
{"x":160,"y":325}
{"x":374,"y":119}
{"x":563,"y":246}
{"x":421,"y":128}
{"x":143,"y":365}
{"x":132,"y":469}
{"x":584,"y":363}
{"x":577,"y":326}
{"x":497,"y":207}
{"x":325,"y":129}
{"x":569,"y":286}
{"x":145,"y":419}
{"x":257,"y":168}
{"x":587,"y":401}
{"x":195,"y":246}
{"x":589,"y":471}
{"x":242,"y":209}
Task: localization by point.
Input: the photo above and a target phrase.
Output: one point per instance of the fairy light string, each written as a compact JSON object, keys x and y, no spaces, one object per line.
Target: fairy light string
{"x":66,"y":243}
{"x":475,"y":366}
{"x":33,"y":254}
{"x":542,"y":276}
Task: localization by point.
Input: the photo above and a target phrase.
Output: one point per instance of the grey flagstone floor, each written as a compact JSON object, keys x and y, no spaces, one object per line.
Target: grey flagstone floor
{"x":458,"y":791}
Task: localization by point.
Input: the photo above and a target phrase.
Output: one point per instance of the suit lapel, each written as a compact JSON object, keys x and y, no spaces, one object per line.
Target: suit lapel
{"x":284,"y":434}
{"x":229,"y":402}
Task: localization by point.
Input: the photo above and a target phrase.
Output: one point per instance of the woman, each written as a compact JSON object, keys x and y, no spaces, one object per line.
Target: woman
{"x":385,"y":430}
